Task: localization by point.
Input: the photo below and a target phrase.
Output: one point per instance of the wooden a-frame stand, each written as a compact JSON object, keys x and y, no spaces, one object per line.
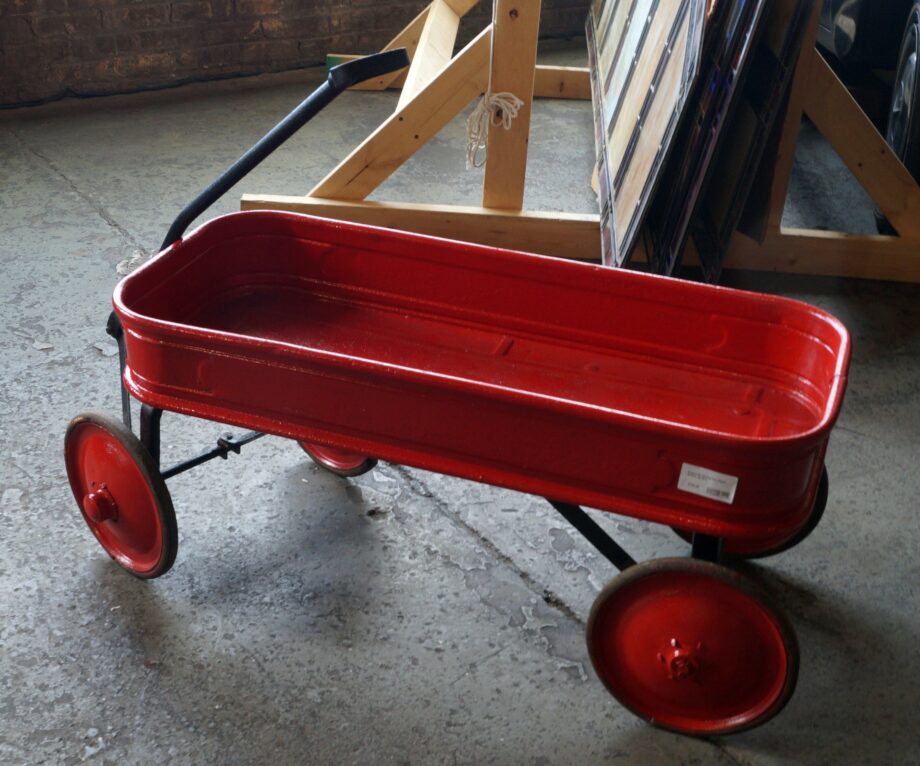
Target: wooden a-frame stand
{"x":438,"y":86}
{"x":435,"y":89}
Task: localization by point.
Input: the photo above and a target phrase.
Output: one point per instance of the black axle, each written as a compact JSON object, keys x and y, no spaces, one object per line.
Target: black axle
{"x":225,"y":445}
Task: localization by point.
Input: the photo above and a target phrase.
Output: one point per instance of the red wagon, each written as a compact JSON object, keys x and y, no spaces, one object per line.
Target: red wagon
{"x":702,"y":408}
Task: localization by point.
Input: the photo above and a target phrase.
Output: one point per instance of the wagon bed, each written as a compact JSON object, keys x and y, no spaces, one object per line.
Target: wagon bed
{"x":577,"y":382}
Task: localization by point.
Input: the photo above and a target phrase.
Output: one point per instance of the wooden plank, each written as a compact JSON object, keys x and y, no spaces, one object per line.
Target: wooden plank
{"x":828,"y":253}
{"x":863,"y":149}
{"x":462,"y":7}
{"x":409,"y":128}
{"x":435,"y":49}
{"x":570,"y":82}
{"x":640,"y":166}
{"x":567,"y":235}
{"x":514,"y":56}
{"x":792,"y":122}
{"x":407,"y":39}
{"x":393,"y":80}
{"x":562,"y":82}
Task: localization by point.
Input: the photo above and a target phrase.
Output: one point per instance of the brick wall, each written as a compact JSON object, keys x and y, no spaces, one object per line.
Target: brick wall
{"x":55,"y":48}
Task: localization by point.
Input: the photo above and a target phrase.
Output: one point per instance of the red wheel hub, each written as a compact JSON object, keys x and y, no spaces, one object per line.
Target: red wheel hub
{"x":120,"y":494}
{"x":691,"y":651}
{"x":680,"y":662}
{"x":99,"y":505}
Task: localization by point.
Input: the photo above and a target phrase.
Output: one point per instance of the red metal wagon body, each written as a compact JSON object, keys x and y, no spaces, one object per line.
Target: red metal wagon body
{"x":690,"y":405}
{"x":580,"y":383}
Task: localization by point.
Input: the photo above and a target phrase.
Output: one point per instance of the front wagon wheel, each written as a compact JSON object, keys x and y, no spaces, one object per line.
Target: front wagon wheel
{"x":121,"y":494}
{"x":692,"y":647}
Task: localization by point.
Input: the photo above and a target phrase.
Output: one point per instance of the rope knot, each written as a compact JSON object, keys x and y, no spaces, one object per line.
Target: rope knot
{"x":498,"y":109}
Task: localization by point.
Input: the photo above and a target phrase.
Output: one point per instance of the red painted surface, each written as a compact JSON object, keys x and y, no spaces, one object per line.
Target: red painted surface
{"x":691,"y":651}
{"x":115,"y":497}
{"x":340,"y":461}
{"x":571,"y":381}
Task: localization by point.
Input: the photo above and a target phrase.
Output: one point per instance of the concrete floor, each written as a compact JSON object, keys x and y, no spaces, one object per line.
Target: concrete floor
{"x":400,"y":617}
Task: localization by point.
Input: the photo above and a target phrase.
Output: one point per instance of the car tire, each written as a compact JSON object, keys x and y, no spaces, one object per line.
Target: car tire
{"x":903,"y":131}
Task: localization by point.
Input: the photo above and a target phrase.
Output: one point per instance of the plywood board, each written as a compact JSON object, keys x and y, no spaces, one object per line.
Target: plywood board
{"x":644,"y":58}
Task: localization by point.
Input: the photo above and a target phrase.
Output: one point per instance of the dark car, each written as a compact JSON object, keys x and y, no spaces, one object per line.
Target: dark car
{"x":882,"y":34}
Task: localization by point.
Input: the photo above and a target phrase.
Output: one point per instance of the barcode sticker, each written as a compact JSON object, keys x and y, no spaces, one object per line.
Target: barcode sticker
{"x":706,"y":483}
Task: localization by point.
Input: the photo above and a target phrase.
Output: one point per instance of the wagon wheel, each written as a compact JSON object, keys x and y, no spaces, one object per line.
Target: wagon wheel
{"x":341,"y":462}
{"x":692,"y":647}
{"x":770,"y":546}
{"x":121,"y":494}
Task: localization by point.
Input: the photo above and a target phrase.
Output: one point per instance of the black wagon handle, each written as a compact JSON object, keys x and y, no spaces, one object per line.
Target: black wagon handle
{"x":339,"y":79}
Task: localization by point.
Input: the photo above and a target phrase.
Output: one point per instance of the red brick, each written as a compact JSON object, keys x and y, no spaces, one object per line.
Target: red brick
{"x":229,"y":32}
{"x":16,"y":30}
{"x":256,"y":7}
{"x":18,"y":58}
{"x":91,"y":48}
{"x":12,"y":7}
{"x":214,"y":57}
{"x":147,"y":63}
{"x":126,"y":42}
{"x":309,"y":26}
{"x":136,"y":17}
{"x":48,"y":47}
{"x":79,"y":24}
{"x":191,"y":10}
{"x":76,"y":5}
{"x":267,"y":52}
{"x":92,"y":73}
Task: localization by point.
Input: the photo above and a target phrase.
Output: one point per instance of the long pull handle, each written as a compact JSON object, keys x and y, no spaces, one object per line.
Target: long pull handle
{"x":339,"y":79}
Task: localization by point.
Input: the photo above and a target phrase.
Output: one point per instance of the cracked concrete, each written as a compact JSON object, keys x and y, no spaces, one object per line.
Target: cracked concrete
{"x":82,"y":193}
{"x":400,"y":617}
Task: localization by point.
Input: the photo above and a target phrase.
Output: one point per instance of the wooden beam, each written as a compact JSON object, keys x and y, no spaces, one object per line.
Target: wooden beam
{"x":462,"y":7}
{"x":566,"y":235}
{"x":562,"y":82}
{"x":435,"y":49}
{"x":828,"y":253}
{"x":514,"y":56}
{"x":409,"y":128}
{"x":569,"y":82}
{"x":865,"y":152}
{"x":407,"y":39}
{"x":792,"y":122}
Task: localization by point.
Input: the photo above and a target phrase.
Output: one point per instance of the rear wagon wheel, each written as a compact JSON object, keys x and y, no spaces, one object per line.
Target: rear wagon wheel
{"x":341,"y":462}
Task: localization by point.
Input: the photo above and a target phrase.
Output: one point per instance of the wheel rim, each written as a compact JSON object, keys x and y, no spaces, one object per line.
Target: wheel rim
{"x":339,"y":461}
{"x":129,"y":512}
{"x":684,"y":647}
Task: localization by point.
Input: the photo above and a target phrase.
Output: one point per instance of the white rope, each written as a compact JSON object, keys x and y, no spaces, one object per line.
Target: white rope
{"x":497,"y":109}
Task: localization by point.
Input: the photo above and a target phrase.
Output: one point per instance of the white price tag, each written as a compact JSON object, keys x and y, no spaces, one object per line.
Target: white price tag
{"x":706,"y":483}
